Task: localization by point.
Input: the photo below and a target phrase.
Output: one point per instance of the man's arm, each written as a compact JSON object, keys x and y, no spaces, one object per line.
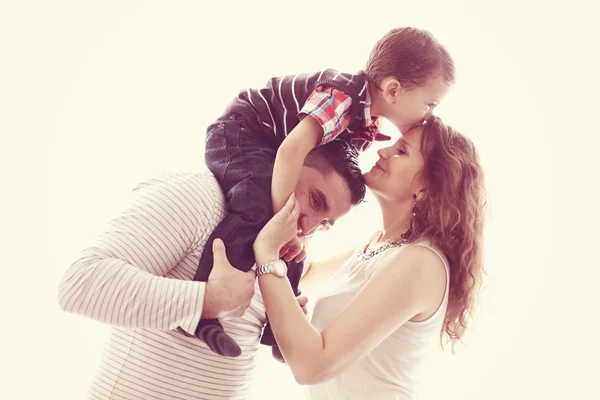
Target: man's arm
{"x":119,"y":280}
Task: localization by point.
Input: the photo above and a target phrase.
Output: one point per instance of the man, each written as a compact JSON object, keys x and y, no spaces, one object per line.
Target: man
{"x":137,"y":278}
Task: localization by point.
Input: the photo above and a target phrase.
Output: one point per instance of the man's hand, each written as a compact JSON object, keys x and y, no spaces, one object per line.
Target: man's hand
{"x":229,"y":291}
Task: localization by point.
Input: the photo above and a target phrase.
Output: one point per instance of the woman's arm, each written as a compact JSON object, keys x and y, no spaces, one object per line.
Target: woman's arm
{"x":404,"y":286}
{"x":407,"y":284}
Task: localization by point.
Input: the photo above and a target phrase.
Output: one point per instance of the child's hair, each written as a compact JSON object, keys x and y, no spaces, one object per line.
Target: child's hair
{"x":411,"y":56}
{"x":341,"y":157}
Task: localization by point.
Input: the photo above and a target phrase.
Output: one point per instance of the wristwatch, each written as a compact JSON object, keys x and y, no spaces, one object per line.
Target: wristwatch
{"x":277,"y":268}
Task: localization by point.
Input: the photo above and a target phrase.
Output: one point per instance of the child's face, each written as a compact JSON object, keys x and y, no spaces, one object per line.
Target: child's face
{"x":406,"y":108}
{"x":323,"y":199}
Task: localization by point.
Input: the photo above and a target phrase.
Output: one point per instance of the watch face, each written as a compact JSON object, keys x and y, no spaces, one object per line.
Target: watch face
{"x":280,"y":268}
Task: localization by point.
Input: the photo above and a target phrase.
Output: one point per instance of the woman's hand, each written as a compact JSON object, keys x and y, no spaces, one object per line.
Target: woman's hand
{"x":282,"y":228}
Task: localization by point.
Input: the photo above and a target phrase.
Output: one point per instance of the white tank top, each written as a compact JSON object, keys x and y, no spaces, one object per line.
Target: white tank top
{"x":390,"y":370}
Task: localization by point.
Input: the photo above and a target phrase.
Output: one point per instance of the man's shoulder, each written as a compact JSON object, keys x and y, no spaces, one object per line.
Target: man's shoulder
{"x":173,"y":178}
{"x":192,"y":187}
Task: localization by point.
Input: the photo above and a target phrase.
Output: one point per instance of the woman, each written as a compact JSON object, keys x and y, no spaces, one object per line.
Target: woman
{"x":418,"y":277}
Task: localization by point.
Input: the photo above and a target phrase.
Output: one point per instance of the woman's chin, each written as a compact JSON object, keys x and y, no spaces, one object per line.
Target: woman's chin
{"x":369,"y":178}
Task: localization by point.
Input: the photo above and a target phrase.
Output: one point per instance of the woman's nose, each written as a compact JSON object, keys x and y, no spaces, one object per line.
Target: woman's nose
{"x":384,"y":152}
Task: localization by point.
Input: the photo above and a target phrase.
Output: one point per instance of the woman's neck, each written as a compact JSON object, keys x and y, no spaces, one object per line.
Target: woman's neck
{"x":396,"y":220}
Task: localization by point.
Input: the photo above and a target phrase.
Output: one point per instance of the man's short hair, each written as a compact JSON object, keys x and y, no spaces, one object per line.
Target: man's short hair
{"x":341,"y":157}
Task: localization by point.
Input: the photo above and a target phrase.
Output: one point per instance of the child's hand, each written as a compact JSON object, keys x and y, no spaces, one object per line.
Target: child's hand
{"x":294,"y":249}
{"x":302,"y":301}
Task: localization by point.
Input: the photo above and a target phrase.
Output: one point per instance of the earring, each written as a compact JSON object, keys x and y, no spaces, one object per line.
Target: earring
{"x":414,"y":212}
{"x":412,"y":219}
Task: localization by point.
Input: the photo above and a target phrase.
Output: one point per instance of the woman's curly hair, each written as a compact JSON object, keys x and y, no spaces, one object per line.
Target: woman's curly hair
{"x":451,"y":215}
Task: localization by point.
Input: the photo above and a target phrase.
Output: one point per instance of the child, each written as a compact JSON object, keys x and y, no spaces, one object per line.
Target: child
{"x":256,"y":149}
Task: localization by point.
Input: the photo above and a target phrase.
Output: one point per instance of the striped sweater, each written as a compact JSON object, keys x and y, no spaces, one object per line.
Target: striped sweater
{"x":137,"y":278}
{"x":274,"y":110}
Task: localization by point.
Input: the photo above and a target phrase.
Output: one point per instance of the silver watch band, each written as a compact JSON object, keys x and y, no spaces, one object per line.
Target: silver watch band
{"x":277,"y":268}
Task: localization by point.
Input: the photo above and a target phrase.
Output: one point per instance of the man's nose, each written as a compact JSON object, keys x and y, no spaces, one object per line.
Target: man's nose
{"x":308,"y":224}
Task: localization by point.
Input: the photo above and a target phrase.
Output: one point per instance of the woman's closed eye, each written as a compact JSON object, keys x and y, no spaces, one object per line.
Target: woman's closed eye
{"x":402,"y":150}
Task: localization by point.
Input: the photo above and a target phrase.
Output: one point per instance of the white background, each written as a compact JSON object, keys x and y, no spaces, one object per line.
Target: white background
{"x":97,"y":96}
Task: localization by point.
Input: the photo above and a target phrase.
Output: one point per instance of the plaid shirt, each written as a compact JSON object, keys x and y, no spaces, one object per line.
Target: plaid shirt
{"x":331,"y":107}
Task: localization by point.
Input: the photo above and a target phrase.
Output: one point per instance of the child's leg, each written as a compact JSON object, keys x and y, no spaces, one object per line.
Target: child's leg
{"x":242,"y":161}
{"x":243,"y":164}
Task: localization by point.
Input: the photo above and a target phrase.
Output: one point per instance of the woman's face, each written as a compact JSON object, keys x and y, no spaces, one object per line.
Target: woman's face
{"x":396,"y":176}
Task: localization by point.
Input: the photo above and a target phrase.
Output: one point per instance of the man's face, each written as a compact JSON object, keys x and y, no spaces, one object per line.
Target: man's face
{"x":323,"y":199}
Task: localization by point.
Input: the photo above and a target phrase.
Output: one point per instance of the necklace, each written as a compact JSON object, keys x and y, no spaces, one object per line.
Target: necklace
{"x":380,"y":249}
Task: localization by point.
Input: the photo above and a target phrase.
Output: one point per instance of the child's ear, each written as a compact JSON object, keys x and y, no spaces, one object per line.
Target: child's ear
{"x":391,"y":88}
